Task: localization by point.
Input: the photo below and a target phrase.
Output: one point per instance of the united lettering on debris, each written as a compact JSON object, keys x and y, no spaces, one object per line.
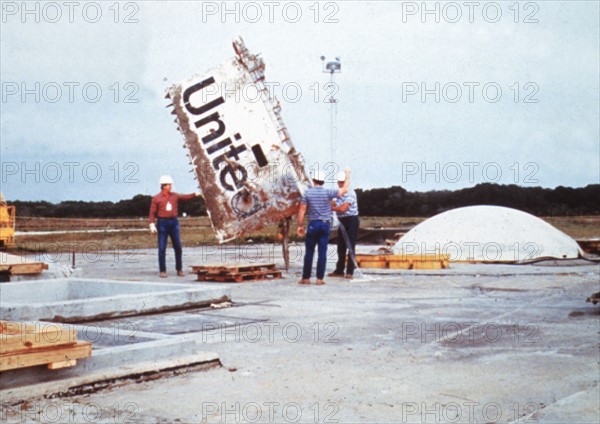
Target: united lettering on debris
{"x":248,"y":170}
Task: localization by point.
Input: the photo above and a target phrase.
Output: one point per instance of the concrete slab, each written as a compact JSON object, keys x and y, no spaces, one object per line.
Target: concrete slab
{"x":502,"y":343}
{"x":581,"y":405}
{"x":173,"y":323}
{"x":124,"y":348}
{"x":84,"y":299}
{"x":118,"y":352}
{"x":97,"y":377}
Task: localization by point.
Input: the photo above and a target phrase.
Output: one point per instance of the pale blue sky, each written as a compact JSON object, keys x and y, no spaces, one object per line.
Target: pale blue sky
{"x":54,"y":150}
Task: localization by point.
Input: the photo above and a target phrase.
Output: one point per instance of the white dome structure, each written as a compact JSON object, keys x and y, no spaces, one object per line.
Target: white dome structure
{"x":488,"y":234}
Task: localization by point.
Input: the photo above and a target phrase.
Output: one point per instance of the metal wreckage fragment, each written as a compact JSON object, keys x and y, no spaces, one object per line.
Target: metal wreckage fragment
{"x":248,"y":170}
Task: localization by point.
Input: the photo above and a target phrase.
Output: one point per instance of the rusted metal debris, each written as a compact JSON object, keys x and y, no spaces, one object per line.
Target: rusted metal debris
{"x":248,"y":170}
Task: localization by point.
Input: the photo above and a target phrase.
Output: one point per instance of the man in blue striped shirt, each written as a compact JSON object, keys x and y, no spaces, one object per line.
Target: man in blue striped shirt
{"x":316,"y":205}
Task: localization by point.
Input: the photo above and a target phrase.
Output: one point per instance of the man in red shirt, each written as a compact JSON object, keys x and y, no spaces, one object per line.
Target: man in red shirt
{"x":163,"y":211}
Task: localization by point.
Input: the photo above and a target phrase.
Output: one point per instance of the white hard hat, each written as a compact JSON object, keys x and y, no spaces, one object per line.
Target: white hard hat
{"x":166,"y":179}
{"x":319,"y":176}
{"x":341,"y":177}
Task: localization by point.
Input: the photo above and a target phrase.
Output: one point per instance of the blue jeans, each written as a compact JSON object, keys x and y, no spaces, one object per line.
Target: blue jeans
{"x":317,"y":233}
{"x":168,"y":228}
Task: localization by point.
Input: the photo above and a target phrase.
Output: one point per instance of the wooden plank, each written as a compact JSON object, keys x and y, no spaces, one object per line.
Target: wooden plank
{"x":24,"y":268}
{"x":46,"y":355}
{"x":372,"y":264}
{"x":233,"y":268}
{"x":404,"y":261}
{"x":260,"y":276}
{"x":403,"y":256}
{"x":400,"y":265}
{"x":26,"y":342}
{"x":259,"y":273}
{"x":22,"y":337}
{"x":62,"y":364}
{"x":240,"y":277}
{"x":426,"y":257}
{"x":360,"y":257}
{"x":427,"y":265}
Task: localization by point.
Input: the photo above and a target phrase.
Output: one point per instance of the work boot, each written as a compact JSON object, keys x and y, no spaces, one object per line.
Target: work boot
{"x":163,"y":275}
{"x":180,"y":274}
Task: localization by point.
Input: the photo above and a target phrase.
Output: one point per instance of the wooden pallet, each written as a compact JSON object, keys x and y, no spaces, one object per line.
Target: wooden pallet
{"x":404,"y":261}
{"x":23,"y":268}
{"x":16,"y":265}
{"x":23,"y":337}
{"x":236,"y":273}
{"x":29,"y":344}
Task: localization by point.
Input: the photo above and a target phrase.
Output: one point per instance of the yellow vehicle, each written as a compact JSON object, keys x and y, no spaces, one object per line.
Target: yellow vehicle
{"x":7,"y":224}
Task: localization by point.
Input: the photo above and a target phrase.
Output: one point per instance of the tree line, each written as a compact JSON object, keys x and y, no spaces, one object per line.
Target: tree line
{"x":560,"y":201}
{"x":136,"y":207}
{"x":391,"y":201}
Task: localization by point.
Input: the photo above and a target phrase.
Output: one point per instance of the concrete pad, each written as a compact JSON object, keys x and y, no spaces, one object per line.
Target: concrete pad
{"x":118,"y":352}
{"x":582,"y":405}
{"x":172,"y":323}
{"x":84,"y":380}
{"x":84,"y":299}
{"x":380,"y":351}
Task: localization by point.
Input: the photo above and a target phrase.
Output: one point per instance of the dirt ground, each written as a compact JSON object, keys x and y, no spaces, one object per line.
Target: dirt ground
{"x":66,"y":235}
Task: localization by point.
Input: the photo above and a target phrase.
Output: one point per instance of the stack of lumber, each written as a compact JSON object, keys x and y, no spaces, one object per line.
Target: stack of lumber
{"x":27,"y":344}
{"x":236,"y":273}
{"x":17,"y":265}
{"x":403,"y":261}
